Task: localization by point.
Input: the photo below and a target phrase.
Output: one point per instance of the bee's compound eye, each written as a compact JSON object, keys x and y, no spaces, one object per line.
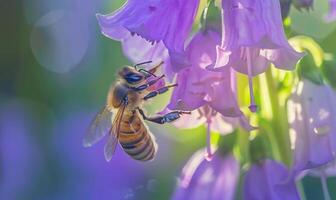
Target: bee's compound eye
{"x":133,"y":78}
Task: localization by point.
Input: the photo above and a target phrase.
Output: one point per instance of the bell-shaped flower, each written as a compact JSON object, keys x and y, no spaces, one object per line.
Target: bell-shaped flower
{"x":268,"y":179}
{"x":198,"y":86}
{"x":210,"y":93}
{"x":312,"y":119}
{"x":168,"y":22}
{"x":252,"y":38}
{"x":215,"y":180}
{"x":303,"y":4}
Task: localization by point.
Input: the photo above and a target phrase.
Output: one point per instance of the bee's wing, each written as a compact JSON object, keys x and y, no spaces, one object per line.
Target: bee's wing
{"x":98,"y":128}
{"x":112,"y":141}
{"x":110,"y":146}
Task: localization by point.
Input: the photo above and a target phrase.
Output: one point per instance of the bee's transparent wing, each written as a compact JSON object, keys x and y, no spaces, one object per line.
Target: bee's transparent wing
{"x":99,"y":127}
{"x":110,"y":146}
{"x":112,"y":141}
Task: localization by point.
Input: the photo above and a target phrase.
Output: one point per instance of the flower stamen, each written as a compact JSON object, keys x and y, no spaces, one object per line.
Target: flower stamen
{"x":208,"y":155}
{"x":253,"y":107}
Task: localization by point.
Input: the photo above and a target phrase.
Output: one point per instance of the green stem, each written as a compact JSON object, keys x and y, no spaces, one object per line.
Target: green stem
{"x":280,"y":126}
{"x":302,"y":193}
{"x":324,"y":184}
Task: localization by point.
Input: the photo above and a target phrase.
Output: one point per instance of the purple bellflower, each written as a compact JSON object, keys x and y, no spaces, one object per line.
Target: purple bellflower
{"x":215,"y":180}
{"x":198,"y":86}
{"x":311,"y":114}
{"x":252,"y":39}
{"x":268,"y":180}
{"x":211,"y":93}
{"x":166,"y":21}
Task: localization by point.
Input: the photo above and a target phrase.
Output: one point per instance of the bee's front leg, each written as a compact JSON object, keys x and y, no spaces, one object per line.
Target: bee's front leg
{"x":158,"y":91}
{"x":145,"y":86}
{"x":169,"y":117}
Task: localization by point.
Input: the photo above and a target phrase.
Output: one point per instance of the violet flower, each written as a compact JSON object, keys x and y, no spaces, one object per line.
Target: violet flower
{"x":312,"y":118}
{"x":211,"y":93}
{"x":215,"y":180}
{"x":197,"y":86}
{"x":268,"y":180}
{"x":169,"y":21}
{"x":252,"y":38}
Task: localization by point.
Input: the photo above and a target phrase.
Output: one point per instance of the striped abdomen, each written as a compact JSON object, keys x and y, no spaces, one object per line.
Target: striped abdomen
{"x":135,"y":138}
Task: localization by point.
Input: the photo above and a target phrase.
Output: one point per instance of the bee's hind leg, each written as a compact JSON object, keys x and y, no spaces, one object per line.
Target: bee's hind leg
{"x":158,"y":91}
{"x":169,"y":117}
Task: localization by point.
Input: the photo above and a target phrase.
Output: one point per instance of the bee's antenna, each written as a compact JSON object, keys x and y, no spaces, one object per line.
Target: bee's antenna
{"x":148,"y":72}
{"x":142,"y":63}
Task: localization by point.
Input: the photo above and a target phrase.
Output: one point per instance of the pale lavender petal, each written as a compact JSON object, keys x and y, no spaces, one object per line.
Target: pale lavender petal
{"x":223,"y":125}
{"x":155,"y":20}
{"x":223,"y":100}
{"x":139,"y":50}
{"x":186,"y":96}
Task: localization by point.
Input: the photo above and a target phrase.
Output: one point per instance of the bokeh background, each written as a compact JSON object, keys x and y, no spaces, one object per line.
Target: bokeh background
{"x":56,"y":69}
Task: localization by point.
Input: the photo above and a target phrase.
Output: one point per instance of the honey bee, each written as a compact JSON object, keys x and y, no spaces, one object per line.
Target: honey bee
{"x":127,"y":127}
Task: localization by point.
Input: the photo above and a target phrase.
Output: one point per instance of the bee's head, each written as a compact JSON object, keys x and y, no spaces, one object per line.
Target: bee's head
{"x":131,"y":75}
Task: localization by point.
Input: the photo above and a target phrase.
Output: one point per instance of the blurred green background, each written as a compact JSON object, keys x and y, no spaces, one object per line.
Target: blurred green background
{"x":56,"y":69}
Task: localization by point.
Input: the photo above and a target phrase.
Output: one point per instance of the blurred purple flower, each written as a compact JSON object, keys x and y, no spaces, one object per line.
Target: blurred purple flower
{"x":169,"y":21}
{"x":312,"y":118}
{"x":332,"y":11}
{"x":89,"y":176}
{"x":268,"y":180}
{"x":215,"y":180}
{"x":20,"y":158}
{"x":252,"y":38}
{"x":303,"y":4}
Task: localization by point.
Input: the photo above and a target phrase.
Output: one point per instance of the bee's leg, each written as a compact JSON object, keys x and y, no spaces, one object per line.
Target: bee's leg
{"x":145,"y":86}
{"x":169,"y":117}
{"x":159,"y":91}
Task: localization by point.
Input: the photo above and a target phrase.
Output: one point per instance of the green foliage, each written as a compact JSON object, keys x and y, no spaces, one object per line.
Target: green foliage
{"x":309,"y":66}
{"x":226,"y":143}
